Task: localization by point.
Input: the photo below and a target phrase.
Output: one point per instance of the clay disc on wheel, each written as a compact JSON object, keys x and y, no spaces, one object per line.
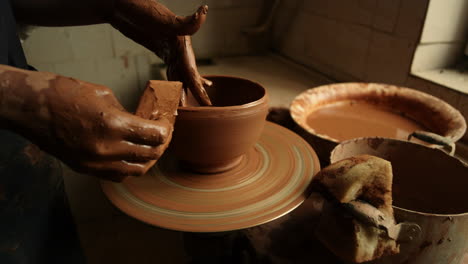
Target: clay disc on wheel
{"x":270,"y":181}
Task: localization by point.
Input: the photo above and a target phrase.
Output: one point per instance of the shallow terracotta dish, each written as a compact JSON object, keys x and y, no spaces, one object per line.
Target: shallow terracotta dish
{"x":213,"y":139}
{"x":270,"y":181}
{"x":427,"y":111}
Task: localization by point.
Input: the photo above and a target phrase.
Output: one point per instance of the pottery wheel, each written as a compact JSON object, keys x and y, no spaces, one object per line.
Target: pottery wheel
{"x":270,"y":181}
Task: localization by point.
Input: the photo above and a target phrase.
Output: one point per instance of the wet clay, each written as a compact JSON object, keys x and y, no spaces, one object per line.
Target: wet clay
{"x":160,"y":101}
{"x":353,"y":119}
{"x":428,"y":111}
{"x":157,"y":18}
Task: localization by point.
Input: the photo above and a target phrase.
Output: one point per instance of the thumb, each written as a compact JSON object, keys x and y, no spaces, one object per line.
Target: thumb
{"x":189,"y":25}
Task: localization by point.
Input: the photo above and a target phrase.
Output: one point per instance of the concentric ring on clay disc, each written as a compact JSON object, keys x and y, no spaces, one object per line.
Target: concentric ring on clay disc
{"x":270,"y":181}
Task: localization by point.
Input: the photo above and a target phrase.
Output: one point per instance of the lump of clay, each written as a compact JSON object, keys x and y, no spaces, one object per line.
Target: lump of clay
{"x":160,"y":100}
{"x":353,"y":224}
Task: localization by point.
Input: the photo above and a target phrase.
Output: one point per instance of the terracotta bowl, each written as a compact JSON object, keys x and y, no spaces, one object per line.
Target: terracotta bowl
{"x":214,"y":139}
{"x":432,"y":113}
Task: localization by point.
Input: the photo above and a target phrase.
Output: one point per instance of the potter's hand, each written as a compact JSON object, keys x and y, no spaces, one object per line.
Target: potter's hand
{"x":182,"y":67}
{"x":158,"y":29}
{"x":80,"y":123}
{"x":147,"y":22}
{"x":154,"y":19}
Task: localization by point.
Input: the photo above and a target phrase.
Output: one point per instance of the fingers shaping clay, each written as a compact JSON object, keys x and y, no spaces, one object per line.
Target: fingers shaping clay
{"x":160,"y":101}
{"x":363,"y":185}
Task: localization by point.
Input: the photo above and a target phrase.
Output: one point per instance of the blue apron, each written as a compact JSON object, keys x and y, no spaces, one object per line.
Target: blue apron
{"x":36,"y":225}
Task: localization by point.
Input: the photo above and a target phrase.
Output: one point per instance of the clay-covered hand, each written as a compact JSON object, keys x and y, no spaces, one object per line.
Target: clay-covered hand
{"x":81,"y":123}
{"x":182,"y":67}
{"x":154,"y":26}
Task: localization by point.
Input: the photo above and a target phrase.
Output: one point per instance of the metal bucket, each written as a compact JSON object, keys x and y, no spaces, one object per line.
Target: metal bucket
{"x":434,"y":114}
{"x":430,"y":189}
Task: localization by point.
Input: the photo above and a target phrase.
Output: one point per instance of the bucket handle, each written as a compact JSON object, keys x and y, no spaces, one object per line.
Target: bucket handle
{"x":434,"y":138}
{"x":371,"y":216}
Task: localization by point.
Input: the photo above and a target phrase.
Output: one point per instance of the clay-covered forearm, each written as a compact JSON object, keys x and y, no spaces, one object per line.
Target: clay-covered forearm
{"x":154,"y":19}
{"x":148,"y":14}
{"x":31,"y":99}
{"x":81,"y":123}
{"x":34,"y":99}
{"x":147,"y":22}
{"x":21,"y":96}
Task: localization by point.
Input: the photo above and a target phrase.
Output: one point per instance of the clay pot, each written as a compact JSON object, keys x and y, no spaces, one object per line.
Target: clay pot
{"x":214,"y":139}
{"x":429,"y":111}
{"x":429,"y":189}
